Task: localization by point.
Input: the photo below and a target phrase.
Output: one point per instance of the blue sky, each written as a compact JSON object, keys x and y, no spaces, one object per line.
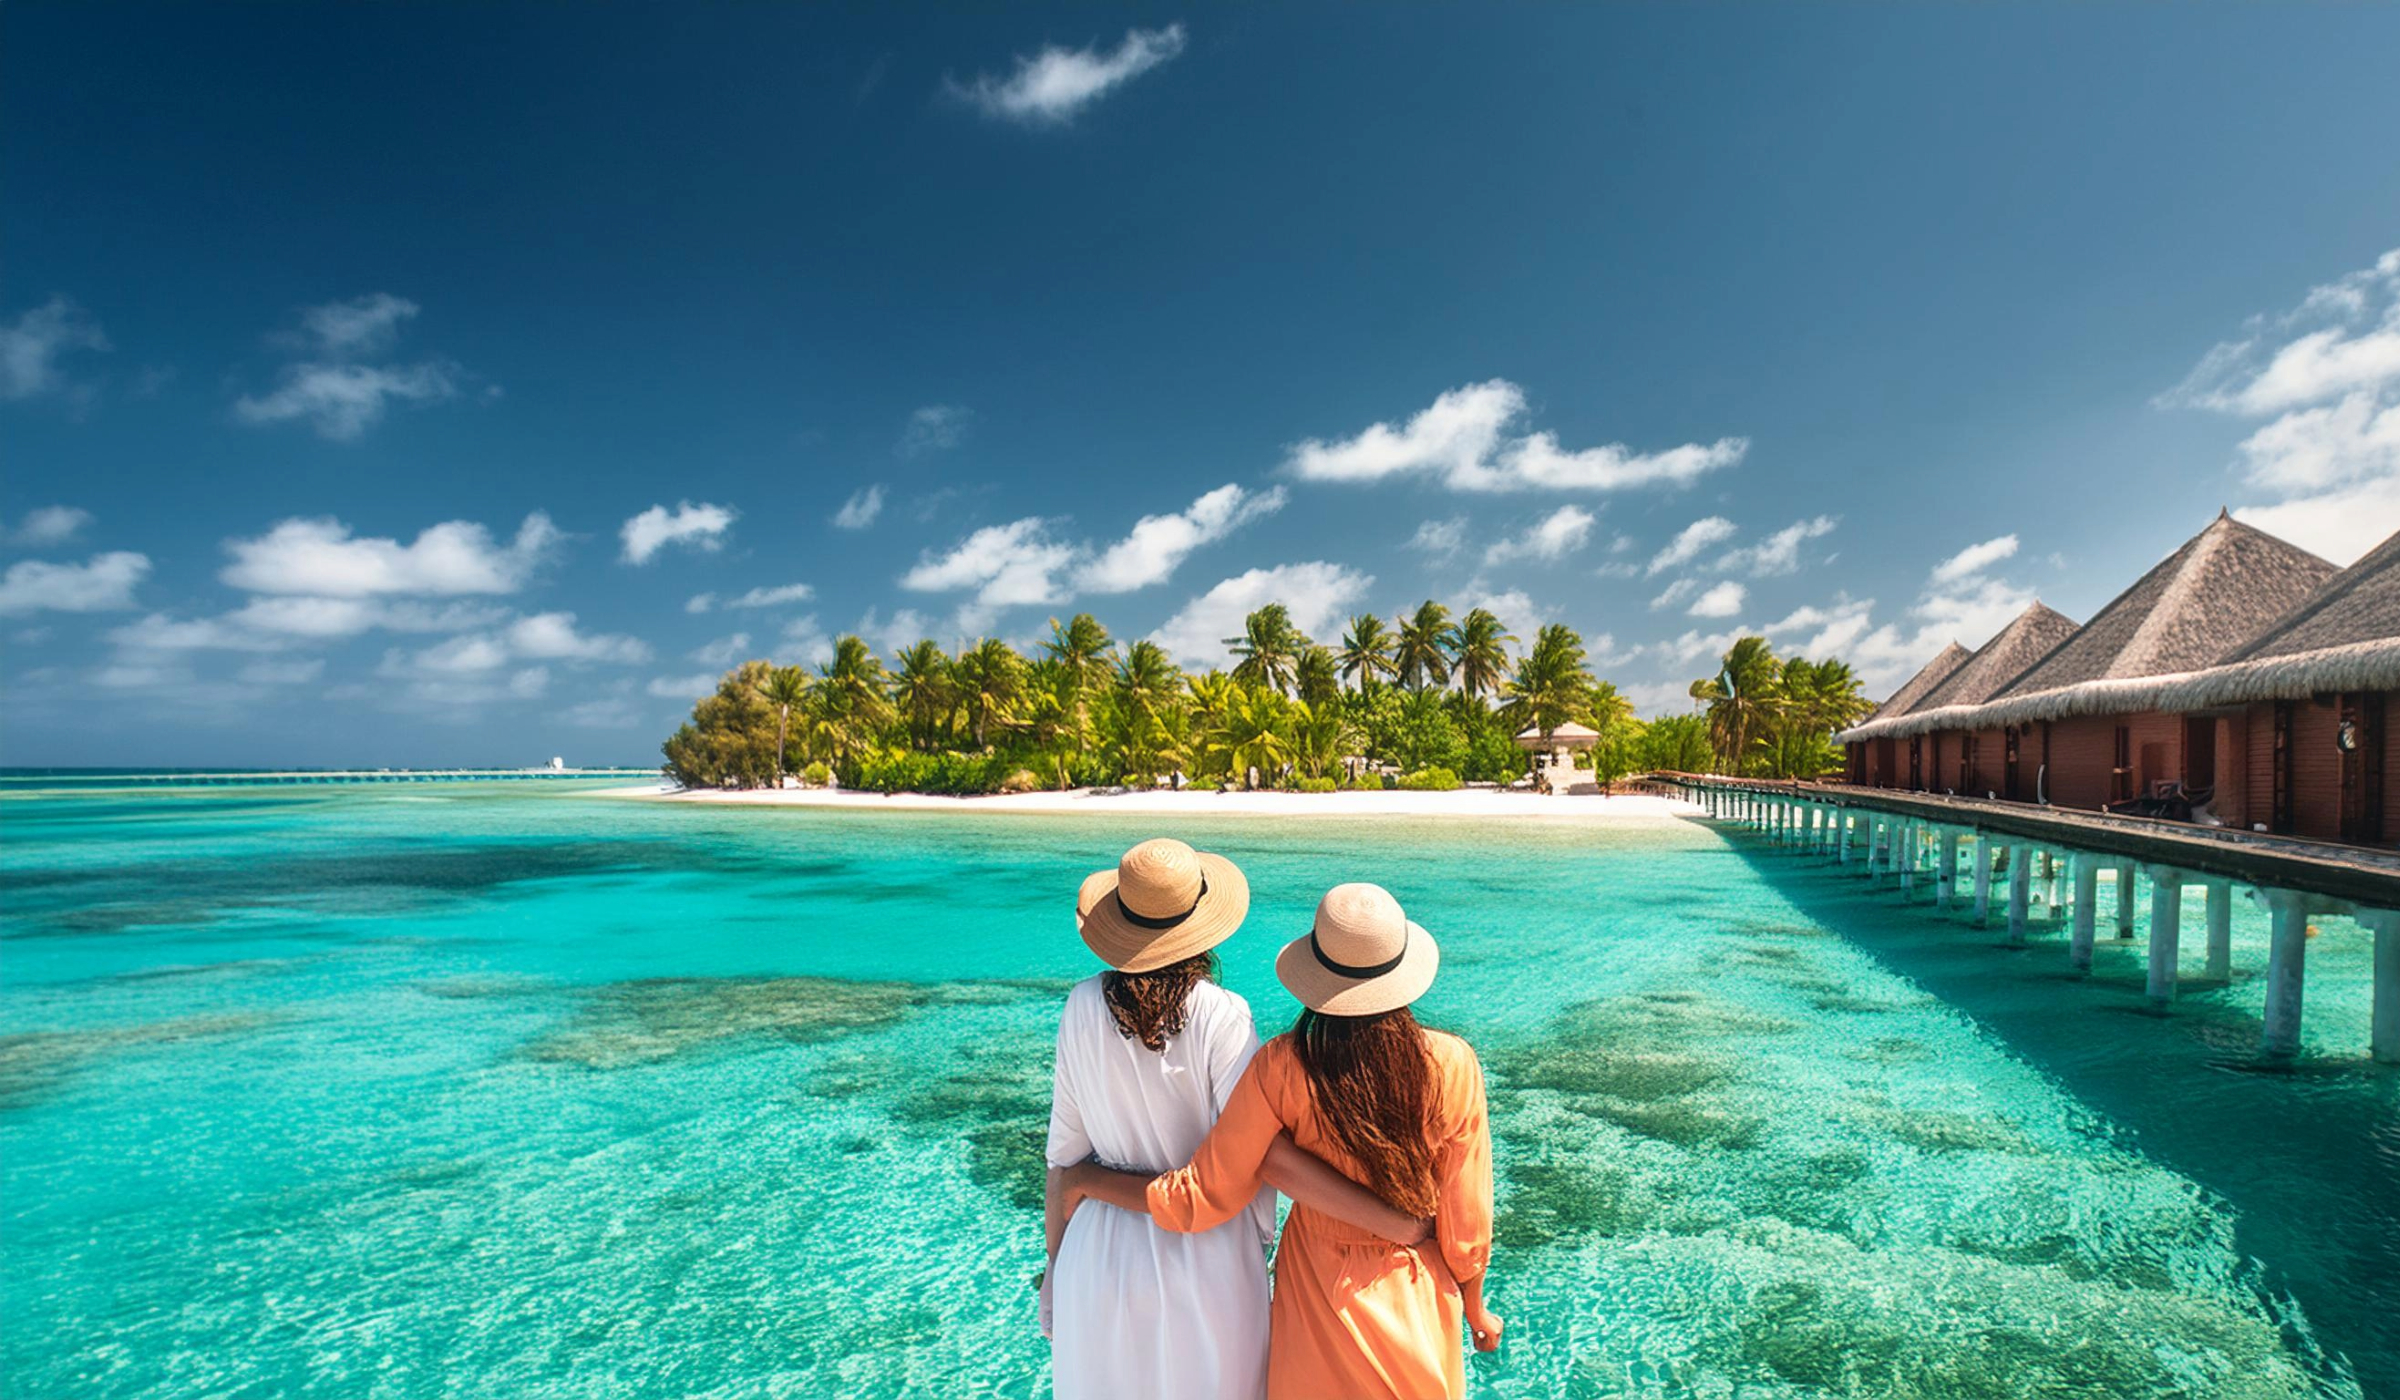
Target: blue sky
{"x":456,"y":385}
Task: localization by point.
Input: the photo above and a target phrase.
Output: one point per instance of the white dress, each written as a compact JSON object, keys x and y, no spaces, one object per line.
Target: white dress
{"x":1136,"y":1310}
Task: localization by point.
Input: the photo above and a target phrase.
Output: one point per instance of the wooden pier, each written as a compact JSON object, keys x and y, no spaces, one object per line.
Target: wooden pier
{"x":1917,"y":839}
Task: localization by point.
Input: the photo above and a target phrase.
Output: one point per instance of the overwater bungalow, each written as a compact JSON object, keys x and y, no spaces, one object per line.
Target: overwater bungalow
{"x":2243,"y":680}
{"x":1933,"y":758}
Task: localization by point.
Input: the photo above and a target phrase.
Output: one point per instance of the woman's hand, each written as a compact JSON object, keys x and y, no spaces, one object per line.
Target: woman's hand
{"x":1482,"y":1322}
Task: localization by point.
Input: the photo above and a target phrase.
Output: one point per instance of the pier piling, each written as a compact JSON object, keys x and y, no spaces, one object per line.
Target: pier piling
{"x":2087,"y":912}
{"x":2020,"y":891}
{"x":2220,"y":930}
{"x":2166,"y":931}
{"x":2287,"y":962}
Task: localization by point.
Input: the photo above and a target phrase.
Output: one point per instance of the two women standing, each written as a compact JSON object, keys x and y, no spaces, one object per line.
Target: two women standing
{"x":1168,"y":1113}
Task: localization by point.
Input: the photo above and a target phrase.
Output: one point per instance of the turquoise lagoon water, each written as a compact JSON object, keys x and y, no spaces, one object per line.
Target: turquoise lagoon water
{"x":391,"y":1092}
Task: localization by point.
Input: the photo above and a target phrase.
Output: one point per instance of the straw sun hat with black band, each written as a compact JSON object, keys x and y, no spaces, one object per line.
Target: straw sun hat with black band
{"x":1163,"y":903}
{"x":1361,"y":958}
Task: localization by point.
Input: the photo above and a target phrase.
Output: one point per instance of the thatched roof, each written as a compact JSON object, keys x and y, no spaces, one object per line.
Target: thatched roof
{"x":2024,"y":641}
{"x":1569,"y":734}
{"x":1939,"y":669}
{"x":2341,"y":633}
{"x":2224,"y":587}
{"x":2359,"y":604}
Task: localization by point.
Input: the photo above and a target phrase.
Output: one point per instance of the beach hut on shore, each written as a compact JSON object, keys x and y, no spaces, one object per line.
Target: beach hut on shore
{"x":1560,"y":744}
{"x":2242,"y":672}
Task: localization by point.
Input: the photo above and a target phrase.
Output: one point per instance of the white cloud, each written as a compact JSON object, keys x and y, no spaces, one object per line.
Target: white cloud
{"x":330,"y":387}
{"x":937,"y":427}
{"x":1051,"y":86}
{"x":1441,"y":538}
{"x":2341,"y":524}
{"x":860,"y":510}
{"x":1316,"y":593}
{"x":722,"y":652}
{"x":552,"y":636}
{"x":1517,"y":612}
{"x":103,"y":583}
{"x":683,"y":687}
{"x":320,"y":557}
{"x":1689,"y":541}
{"x":1464,"y":440}
{"x":362,"y":325}
{"x":1007,"y":565}
{"x":471,"y":654}
{"x":609,"y":712}
{"x":1157,"y":544}
{"x":1676,"y":592}
{"x":699,"y":602}
{"x":303,"y":616}
{"x":2326,"y":376}
{"x":1974,"y":559}
{"x":343,"y":401}
{"x":1779,"y":553}
{"x":701,"y":526}
{"x":49,"y":525}
{"x":769,"y":597}
{"x":1553,"y":537}
{"x":904,"y":628}
{"x":296,"y":672}
{"x":32,"y":346}
{"x":157,"y":634}
{"x":1723,"y":600}
{"x":805,"y":637}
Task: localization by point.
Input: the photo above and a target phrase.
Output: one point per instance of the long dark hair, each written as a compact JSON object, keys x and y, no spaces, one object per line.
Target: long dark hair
{"x":1150,"y":1006}
{"x":1372,"y":1080}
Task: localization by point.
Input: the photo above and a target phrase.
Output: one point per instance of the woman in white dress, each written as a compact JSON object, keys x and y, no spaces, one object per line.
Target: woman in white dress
{"x":1148,"y":1054}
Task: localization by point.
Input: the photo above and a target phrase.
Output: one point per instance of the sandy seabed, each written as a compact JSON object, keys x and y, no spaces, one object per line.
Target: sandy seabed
{"x":1468,"y":803}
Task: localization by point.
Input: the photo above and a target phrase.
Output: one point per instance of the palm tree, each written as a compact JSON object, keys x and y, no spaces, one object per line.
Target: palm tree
{"x":1052,"y":717}
{"x":1366,"y":652}
{"x":990,"y":680}
{"x":1081,"y":650}
{"x":1479,"y":650}
{"x":1316,"y":679}
{"x":922,"y":687}
{"x":1608,"y":708}
{"x":1270,"y":648}
{"x":1421,"y":654}
{"x":783,"y":687}
{"x":1254,"y":732}
{"x":1213,"y":695}
{"x":1550,"y":685}
{"x":1148,"y":693}
{"x":1321,"y":735}
{"x":853,"y":704}
{"x":1741,"y":699}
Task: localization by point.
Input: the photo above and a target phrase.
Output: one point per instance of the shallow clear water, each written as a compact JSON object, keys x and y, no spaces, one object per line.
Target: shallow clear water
{"x":410,"y":1093}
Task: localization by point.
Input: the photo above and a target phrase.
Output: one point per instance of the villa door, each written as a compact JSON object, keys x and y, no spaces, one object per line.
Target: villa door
{"x":2011,"y":741}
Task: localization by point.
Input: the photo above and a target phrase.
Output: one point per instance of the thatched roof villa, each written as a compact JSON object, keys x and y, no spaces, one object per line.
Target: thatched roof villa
{"x":2246,"y":669}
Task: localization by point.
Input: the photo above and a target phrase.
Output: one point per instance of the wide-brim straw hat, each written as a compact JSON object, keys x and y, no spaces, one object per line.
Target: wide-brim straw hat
{"x":1163,"y":903}
{"x":1363,"y":956}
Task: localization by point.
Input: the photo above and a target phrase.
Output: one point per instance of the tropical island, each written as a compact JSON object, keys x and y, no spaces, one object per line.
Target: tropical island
{"x":1430,"y":703}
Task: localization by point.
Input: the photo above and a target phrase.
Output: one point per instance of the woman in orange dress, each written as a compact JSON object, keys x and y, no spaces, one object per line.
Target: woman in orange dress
{"x":1391,"y":1105}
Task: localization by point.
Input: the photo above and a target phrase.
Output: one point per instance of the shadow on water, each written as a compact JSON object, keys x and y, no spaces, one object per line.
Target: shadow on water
{"x":2307,"y":1153}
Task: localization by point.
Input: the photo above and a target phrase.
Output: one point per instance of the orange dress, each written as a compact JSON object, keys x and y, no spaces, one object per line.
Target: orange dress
{"x":1355,"y":1317}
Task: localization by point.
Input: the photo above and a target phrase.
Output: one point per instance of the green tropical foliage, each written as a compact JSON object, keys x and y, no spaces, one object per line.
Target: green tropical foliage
{"x":1088,"y":710}
{"x":1774,"y":717}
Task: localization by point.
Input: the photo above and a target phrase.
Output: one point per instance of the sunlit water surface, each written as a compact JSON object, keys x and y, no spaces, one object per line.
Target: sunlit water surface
{"x":409,"y":1093}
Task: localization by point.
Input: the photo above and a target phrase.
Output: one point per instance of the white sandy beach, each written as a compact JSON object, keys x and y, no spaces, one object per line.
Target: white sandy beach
{"x":1469,"y":803}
